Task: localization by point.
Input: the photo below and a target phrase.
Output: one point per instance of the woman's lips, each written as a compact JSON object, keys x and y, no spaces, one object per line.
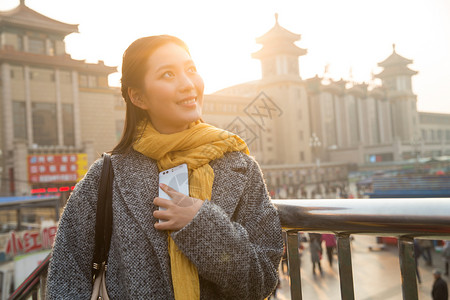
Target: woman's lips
{"x":187,"y":102}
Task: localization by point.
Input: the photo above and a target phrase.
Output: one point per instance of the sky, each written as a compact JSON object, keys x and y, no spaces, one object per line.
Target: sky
{"x":350,"y":36}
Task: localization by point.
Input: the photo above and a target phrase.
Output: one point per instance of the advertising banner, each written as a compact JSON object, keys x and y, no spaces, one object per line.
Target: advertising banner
{"x":54,"y":168}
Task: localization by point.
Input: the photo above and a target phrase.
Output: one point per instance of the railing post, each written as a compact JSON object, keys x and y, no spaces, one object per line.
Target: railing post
{"x":294,"y":265}
{"x":345,"y":267}
{"x":408,"y":268}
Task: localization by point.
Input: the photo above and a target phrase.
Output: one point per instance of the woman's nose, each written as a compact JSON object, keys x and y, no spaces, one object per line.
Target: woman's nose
{"x":186,"y":83}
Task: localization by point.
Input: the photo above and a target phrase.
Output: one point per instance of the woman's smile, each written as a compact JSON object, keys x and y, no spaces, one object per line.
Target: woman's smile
{"x":188,"y":102}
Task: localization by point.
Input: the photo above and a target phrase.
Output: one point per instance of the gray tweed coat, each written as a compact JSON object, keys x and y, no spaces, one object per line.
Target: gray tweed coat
{"x":234,"y":240}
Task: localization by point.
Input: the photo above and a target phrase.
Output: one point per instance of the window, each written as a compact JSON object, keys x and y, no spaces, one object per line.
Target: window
{"x":439,"y":135}
{"x":300,"y":135}
{"x":68,"y":124}
{"x":36,"y":46}
{"x":92,"y":81}
{"x":302,"y":156}
{"x":424,"y":135}
{"x":83,"y":81}
{"x":46,"y":75}
{"x":19,"y":43}
{"x":51,"y":48}
{"x":19,"y":120}
{"x":44,"y":124}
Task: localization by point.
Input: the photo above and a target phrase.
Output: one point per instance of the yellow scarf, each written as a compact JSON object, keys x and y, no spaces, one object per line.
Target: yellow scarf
{"x":196,"y":146}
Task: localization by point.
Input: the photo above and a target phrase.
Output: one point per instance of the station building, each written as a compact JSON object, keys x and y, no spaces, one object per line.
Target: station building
{"x":57,"y":113}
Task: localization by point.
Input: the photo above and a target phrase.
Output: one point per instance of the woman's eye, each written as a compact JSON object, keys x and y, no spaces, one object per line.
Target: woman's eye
{"x":167,"y":74}
{"x":192,"y":69}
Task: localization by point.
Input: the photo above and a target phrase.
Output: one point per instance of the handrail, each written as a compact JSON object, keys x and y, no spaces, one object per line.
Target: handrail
{"x":424,"y":217}
{"x":404,"y":218}
{"x":30,"y":283}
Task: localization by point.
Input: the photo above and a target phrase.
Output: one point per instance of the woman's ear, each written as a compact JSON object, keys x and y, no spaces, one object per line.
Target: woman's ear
{"x":137,"y":98}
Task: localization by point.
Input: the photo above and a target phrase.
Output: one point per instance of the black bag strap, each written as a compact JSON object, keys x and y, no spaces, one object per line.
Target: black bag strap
{"x":103,"y":224}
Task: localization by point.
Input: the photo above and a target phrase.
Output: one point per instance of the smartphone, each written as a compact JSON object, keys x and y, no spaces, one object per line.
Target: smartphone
{"x":177,"y":178}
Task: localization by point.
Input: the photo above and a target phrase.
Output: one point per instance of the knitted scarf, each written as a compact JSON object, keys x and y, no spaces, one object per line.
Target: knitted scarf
{"x":195,"y":146}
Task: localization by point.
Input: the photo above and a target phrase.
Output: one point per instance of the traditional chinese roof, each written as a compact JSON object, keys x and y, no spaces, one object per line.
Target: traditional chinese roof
{"x":278,"y":40}
{"x":11,"y":55}
{"x":24,"y":17}
{"x":395,"y":65}
{"x":395,"y":59}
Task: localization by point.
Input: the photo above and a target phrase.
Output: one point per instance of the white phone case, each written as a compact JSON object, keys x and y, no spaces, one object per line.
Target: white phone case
{"x":176,"y":178}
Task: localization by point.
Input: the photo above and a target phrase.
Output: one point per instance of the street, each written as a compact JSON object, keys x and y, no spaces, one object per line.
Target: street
{"x":376,"y":274}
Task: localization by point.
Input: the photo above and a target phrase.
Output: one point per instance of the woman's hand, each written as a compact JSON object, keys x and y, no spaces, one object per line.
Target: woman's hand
{"x":179,"y":211}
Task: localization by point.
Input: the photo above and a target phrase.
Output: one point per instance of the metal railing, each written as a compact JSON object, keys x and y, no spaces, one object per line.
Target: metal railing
{"x":427,"y":218}
{"x":405,"y":219}
{"x":33,"y":287}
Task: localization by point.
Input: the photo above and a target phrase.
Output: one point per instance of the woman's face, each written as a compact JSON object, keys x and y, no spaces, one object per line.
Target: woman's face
{"x":173,"y":90}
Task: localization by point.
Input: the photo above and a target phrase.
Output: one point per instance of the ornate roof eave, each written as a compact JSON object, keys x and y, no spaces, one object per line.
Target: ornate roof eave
{"x":278,"y":32}
{"x":314,"y":84}
{"x":24,"y":17}
{"x":395,"y":71}
{"x":378,"y":93}
{"x":55,"y":61}
{"x":358,"y":90}
{"x":279,"y":49}
{"x":335,"y":87}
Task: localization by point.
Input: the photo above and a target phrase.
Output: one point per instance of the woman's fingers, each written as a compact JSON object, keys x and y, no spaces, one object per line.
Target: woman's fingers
{"x":178,"y":198}
{"x":161,"y":214}
{"x":169,"y":191}
{"x":158,"y":201}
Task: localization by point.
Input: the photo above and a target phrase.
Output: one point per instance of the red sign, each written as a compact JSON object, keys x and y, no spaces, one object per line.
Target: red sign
{"x":56,"y":167}
{"x":30,"y":241}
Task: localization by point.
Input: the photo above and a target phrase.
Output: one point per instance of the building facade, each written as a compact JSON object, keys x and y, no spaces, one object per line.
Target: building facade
{"x":54,"y":110}
{"x":376,"y":123}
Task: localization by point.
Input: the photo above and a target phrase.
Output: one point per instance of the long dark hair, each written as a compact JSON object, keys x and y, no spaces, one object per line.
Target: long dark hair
{"x":134,"y":68}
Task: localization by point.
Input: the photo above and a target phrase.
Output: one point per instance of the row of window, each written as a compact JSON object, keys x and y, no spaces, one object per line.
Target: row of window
{"x":437,"y":135}
{"x":36,"y":45}
{"x":65,"y":77}
{"x":44,"y":123}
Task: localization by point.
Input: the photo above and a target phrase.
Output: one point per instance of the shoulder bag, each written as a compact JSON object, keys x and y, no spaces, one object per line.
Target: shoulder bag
{"x":103,"y":230}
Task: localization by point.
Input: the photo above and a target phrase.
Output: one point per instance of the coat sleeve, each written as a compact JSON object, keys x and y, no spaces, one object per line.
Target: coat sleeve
{"x":69,"y":274}
{"x":239,"y":256}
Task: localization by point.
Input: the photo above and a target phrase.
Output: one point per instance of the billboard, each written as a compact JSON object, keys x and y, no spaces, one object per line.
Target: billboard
{"x":52,"y":168}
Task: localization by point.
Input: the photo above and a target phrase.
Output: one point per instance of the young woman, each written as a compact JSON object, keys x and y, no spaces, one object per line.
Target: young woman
{"x":222,"y":242}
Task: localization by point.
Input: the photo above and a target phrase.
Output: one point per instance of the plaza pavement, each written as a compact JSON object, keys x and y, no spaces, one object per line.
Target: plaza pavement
{"x":376,"y":274}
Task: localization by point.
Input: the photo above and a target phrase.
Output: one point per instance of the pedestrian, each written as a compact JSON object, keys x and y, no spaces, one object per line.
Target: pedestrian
{"x":440,"y":289}
{"x":426,"y":246}
{"x":223,"y":241}
{"x":446,"y":256}
{"x":284,"y":261}
{"x":417,"y":254}
{"x":315,"y":248}
{"x":274,"y":293}
{"x":330,"y":244}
